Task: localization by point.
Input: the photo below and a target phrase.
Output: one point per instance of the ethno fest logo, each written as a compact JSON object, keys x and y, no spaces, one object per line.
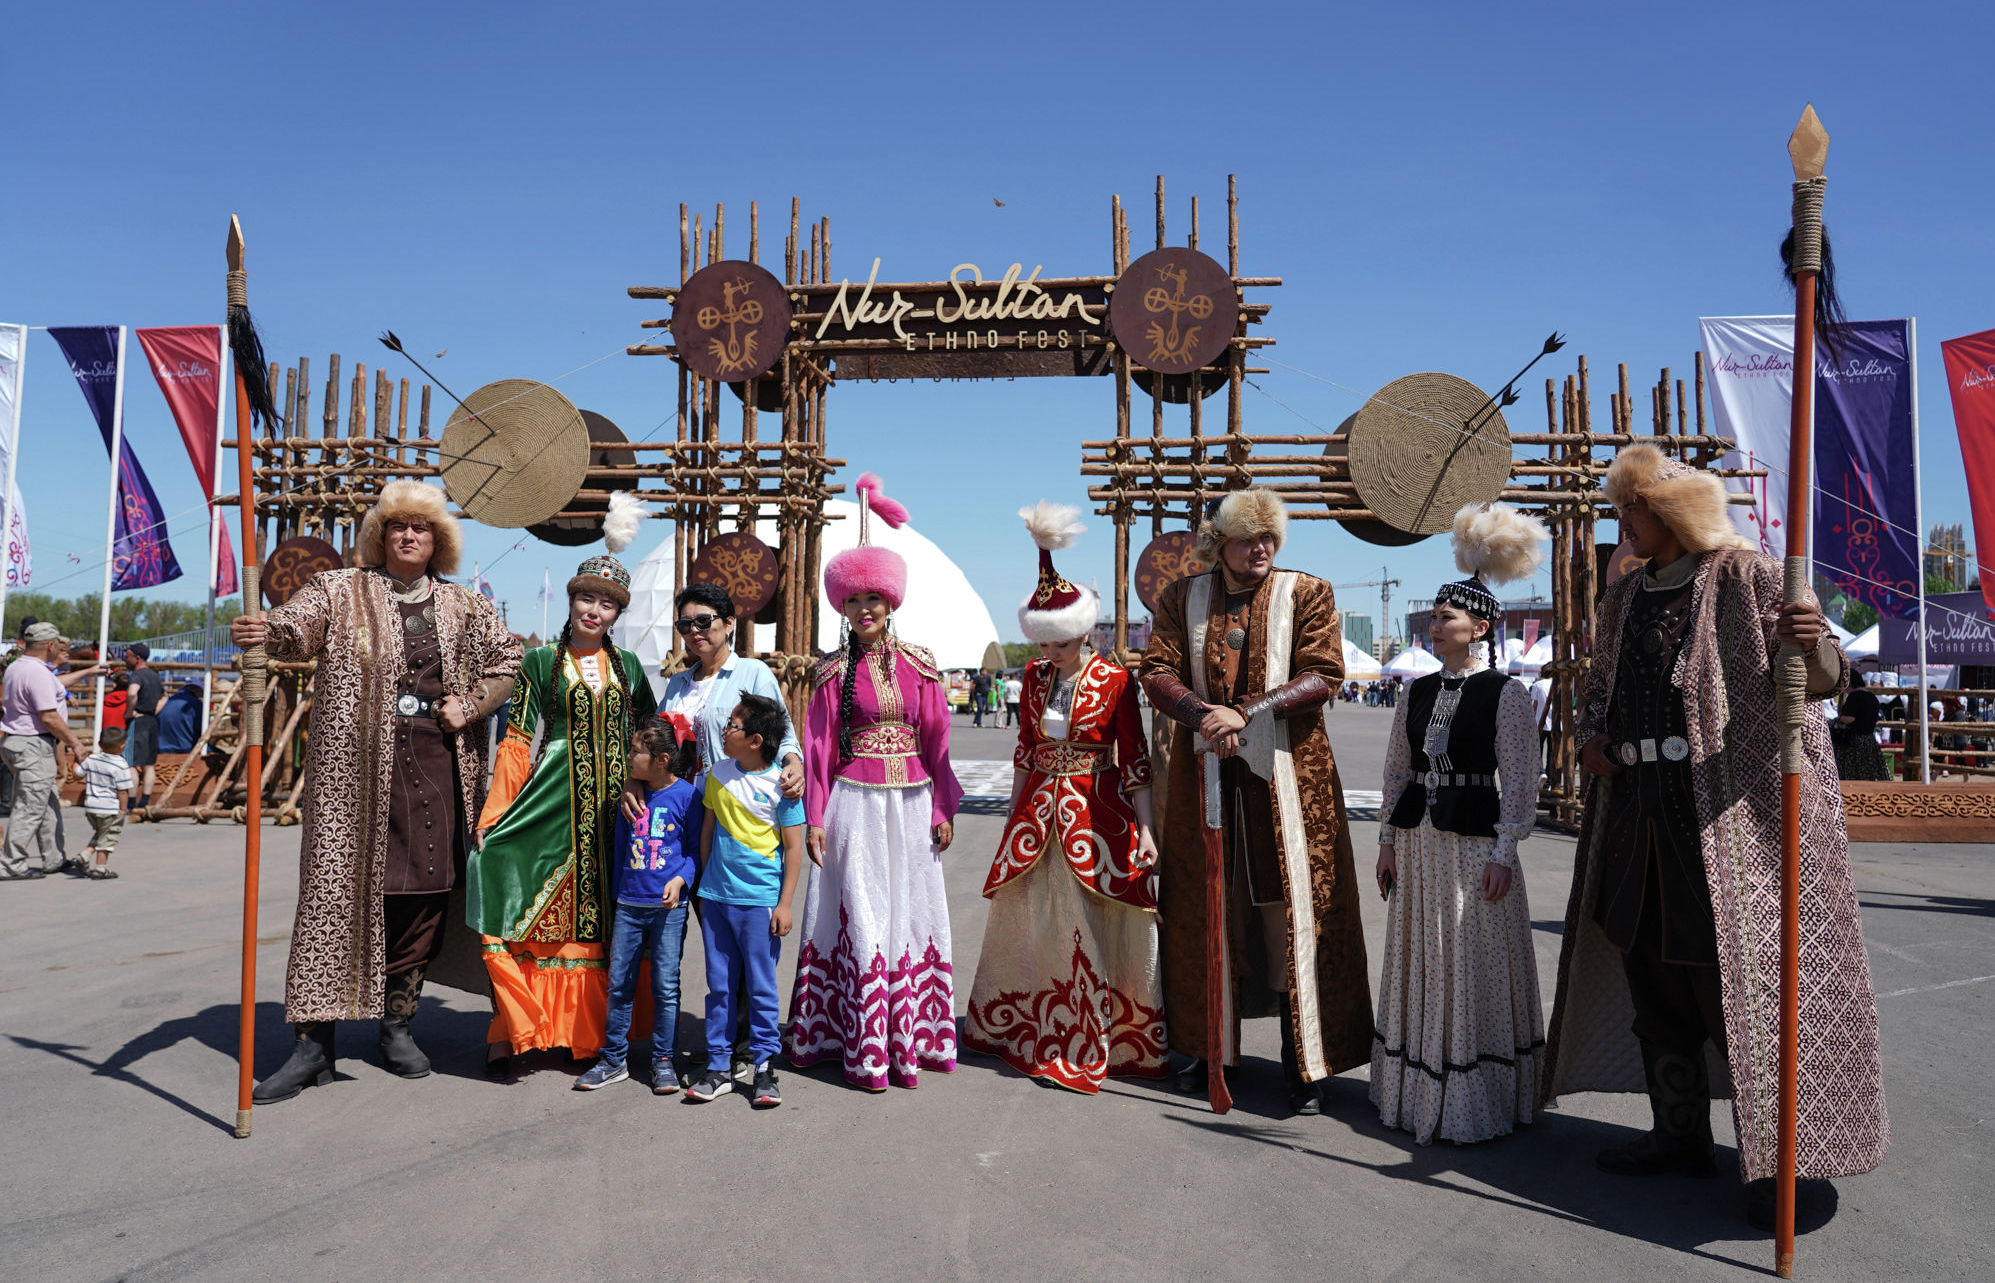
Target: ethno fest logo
{"x":1753,"y":365}
{"x":95,"y":371}
{"x":1867,"y":369}
{"x":179,"y":370}
{"x":1973,"y":378}
{"x":1175,"y":341}
{"x":735,"y":352}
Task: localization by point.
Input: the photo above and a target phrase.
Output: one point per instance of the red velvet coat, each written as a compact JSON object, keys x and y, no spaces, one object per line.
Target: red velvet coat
{"x":1075,"y":798}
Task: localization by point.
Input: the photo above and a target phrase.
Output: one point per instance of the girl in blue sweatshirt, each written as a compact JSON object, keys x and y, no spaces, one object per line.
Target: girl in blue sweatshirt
{"x":653,"y":883}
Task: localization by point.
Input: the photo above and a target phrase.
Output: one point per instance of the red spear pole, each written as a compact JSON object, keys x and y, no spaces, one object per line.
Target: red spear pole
{"x":1808,"y":148}
{"x":251,"y":690}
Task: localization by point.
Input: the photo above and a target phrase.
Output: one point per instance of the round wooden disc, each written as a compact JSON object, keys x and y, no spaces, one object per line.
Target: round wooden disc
{"x":730,"y":321}
{"x":1174,"y":310}
{"x":1165,"y":560}
{"x":1176,"y":388}
{"x":1416,"y":459}
{"x":1377,"y":532}
{"x":742,"y":564}
{"x":1618,"y":560}
{"x":292,"y":563}
{"x":522,"y":458}
{"x":574,"y":532}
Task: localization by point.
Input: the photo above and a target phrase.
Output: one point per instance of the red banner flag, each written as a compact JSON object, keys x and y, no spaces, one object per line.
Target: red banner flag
{"x":1970,"y":364}
{"x":186,"y":361}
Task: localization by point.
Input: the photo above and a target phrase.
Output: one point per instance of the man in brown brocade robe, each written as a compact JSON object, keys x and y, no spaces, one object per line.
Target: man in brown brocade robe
{"x":407,"y":662}
{"x":1241,"y":640}
{"x":1669,"y":972}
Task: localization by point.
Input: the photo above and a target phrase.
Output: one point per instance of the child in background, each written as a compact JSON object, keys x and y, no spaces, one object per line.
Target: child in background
{"x":107,"y":787}
{"x":653,"y":882}
{"x":751,"y":853}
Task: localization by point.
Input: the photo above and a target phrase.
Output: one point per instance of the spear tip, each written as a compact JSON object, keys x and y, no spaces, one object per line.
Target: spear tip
{"x":1808,"y":146}
{"x":235,"y":244}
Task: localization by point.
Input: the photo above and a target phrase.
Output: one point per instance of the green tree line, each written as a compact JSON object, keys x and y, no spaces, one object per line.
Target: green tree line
{"x":132,"y":618}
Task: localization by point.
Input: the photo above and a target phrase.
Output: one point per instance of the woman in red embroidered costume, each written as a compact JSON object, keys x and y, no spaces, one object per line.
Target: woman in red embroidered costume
{"x":1067,"y":989}
{"x":874,"y":986}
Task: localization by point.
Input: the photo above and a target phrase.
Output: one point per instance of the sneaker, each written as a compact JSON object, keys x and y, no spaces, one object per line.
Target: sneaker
{"x":602,"y":1074}
{"x":767,"y":1095}
{"x":664,"y":1082}
{"x":710,"y":1084}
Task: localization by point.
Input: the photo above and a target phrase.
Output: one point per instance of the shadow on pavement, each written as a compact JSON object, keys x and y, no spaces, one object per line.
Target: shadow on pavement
{"x":1935,"y":904}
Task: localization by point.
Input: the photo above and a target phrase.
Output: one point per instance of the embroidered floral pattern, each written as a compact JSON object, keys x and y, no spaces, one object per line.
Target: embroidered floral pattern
{"x":884,"y":1024}
{"x":1076,"y":1031}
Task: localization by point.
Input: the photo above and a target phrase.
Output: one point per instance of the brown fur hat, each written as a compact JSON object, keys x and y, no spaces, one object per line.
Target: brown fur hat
{"x":1691,"y":503}
{"x":405,"y":500}
{"x":1242,"y":514}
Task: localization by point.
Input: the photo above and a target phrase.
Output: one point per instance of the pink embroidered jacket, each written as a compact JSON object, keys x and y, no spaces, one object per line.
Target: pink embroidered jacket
{"x":900,"y":729}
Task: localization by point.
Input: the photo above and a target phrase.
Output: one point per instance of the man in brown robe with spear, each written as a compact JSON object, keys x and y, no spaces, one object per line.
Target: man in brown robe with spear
{"x":1669,"y":974}
{"x":1248,"y":647}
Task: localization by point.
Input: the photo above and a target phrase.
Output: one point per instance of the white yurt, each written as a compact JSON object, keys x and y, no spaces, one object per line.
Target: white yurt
{"x":942,"y":611}
{"x":1414,"y":661}
{"x":1359,"y":666}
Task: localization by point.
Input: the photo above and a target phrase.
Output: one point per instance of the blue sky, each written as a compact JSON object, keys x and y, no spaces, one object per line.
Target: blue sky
{"x":1439,"y":185}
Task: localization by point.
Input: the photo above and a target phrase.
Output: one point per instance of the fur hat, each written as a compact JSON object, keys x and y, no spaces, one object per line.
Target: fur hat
{"x":866,"y":568}
{"x":605,"y":575}
{"x":1242,"y":514}
{"x":403,"y":501}
{"x":1495,"y":544}
{"x":1691,"y":503}
{"x":1056,"y":611}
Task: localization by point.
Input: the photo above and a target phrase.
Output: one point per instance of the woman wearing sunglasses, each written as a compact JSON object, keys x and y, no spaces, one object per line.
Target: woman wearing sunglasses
{"x":707,"y":692}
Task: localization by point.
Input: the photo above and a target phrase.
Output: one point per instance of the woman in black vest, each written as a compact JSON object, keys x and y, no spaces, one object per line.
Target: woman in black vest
{"x":1460,"y":1032}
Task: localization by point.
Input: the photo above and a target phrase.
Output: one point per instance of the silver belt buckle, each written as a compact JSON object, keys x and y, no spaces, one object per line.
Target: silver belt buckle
{"x":408,"y":705}
{"x":1648,"y":750}
{"x":1629,"y":753}
{"x":1432,"y":780}
{"x":1675,"y":748}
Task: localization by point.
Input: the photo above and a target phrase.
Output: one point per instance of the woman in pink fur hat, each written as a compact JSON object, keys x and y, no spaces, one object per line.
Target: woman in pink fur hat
{"x":874,"y":986}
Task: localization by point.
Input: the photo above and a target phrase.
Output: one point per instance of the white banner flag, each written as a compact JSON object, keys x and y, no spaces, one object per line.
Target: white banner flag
{"x":13,"y":349}
{"x":1749,"y":365}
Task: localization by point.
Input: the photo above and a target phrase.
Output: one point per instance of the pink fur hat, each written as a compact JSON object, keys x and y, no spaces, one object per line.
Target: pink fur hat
{"x":867,"y":568}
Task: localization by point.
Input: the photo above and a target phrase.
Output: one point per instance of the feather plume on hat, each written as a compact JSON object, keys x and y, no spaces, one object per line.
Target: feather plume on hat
{"x":620,"y":527}
{"x":1056,"y":610}
{"x":1498,"y":544}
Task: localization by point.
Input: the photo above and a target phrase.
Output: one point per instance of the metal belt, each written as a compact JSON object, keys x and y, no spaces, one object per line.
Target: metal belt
{"x":415,"y":706}
{"x":1442,"y":779}
{"x":1636,"y":752}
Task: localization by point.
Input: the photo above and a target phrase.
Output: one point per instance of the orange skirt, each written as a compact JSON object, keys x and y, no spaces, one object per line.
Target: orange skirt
{"x":547,"y":995}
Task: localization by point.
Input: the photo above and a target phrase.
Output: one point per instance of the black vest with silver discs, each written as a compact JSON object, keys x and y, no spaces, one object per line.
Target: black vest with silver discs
{"x":1470,"y":809}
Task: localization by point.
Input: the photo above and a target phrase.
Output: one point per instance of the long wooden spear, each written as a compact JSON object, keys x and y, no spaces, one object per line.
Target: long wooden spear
{"x":1808,"y":149}
{"x":252,"y":404}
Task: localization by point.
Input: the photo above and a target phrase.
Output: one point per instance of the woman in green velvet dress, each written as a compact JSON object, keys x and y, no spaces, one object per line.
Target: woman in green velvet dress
{"x":538,"y":884}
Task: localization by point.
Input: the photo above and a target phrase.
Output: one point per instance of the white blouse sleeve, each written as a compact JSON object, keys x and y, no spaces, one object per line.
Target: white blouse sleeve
{"x":1398,"y":767}
{"x":1516,"y":772}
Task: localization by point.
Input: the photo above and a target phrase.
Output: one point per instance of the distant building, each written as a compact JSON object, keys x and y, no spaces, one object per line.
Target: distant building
{"x":1358,"y":629}
{"x":1946,"y":557}
{"x":1104,"y":636}
{"x":1515,"y":613}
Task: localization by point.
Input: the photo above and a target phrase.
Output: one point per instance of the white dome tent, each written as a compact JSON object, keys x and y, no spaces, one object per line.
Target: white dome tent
{"x":942,"y":611}
{"x":1359,"y":666}
{"x":1414,"y":661}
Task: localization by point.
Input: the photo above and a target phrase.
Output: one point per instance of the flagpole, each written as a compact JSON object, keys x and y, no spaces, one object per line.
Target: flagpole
{"x":214,"y":528}
{"x":1919,"y":561}
{"x":111,"y":529}
{"x":13,"y":460}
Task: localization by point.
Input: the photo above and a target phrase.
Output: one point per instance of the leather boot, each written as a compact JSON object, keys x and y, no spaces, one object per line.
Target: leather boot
{"x":310,"y":1065}
{"x":1192,"y":1080}
{"x":1680,"y":1102}
{"x":399,"y":1054}
{"x":1303,"y":1097}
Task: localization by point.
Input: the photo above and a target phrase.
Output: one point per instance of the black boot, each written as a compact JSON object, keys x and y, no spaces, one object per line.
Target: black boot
{"x":311,"y":1065}
{"x":399,"y":1054}
{"x":1192,"y":1080}
{"x":1680,"y":1101}
{"x":1304,"y":1098}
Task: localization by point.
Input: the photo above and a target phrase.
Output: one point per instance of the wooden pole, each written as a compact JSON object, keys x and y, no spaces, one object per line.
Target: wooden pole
{"x":252,"y":705}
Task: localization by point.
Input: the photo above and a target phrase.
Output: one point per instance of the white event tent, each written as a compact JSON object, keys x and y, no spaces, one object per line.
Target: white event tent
{"x":1414,"y":661}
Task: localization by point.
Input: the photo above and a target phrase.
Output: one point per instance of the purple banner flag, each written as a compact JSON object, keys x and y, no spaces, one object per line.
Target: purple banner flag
{"x":1867,"y":468}
{"x":142,"y":556}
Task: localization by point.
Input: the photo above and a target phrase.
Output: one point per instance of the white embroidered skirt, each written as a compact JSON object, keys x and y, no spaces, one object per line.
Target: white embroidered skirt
{"x":1067,"y":987}
{"x":874,"y":987}
{"x":1461,"y":1035}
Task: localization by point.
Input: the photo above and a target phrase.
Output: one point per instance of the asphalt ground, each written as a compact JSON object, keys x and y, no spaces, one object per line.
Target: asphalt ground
{"x":117,"y":1041}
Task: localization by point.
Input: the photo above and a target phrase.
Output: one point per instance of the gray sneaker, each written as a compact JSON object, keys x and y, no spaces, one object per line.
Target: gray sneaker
{"x":602,"y":1074}
{"x":664,"y":1082}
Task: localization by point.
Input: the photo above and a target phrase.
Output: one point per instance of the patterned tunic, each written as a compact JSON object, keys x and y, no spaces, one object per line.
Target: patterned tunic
{"x":349,"y":622}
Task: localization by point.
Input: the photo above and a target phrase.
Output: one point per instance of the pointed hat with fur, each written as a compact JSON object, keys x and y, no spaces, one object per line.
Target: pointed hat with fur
{"x":1691,"y":503}
{"x":1056,"y":610}
{"x":868,"y":568}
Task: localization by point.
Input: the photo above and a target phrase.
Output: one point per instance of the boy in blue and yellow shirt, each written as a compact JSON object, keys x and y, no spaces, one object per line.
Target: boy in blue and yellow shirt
{"x":751,"y":853}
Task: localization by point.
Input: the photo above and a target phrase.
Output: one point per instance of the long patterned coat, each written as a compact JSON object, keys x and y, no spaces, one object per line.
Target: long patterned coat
{"x":1295,"y":614}
{"x":1726,"y":678}
{"x":1063,"y":806}
{"x":347,"y":620}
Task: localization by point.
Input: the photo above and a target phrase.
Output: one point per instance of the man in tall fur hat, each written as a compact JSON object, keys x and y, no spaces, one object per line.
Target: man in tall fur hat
{"x":1241,"y":641}
{"x":1669,"y":975}
{"x":407,"y":662}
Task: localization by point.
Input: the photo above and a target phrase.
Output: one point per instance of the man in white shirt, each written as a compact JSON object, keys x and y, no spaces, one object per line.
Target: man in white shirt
{"x":32,"y":723}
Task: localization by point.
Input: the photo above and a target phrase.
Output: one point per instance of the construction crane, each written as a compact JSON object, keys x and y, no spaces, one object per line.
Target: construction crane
{"x":1385,"y":587}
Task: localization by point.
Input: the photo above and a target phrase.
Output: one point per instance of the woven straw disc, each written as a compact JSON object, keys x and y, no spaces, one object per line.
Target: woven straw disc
{"x":1412,"y":460}
{"x":521,"y":460}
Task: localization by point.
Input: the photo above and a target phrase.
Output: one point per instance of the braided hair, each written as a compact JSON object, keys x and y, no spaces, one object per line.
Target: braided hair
{"x":848,"y":696}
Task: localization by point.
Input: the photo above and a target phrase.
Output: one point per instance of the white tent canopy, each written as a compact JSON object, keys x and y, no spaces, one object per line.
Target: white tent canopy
{"x":1530,"y":661}
{"x":942,"y":612}
{"x":1414,"y":661}
{"x":1864,"y":645}
{"x":1359,"y":666}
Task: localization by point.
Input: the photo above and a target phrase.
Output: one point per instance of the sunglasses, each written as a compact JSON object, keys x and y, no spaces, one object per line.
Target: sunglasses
{"x":695,"y":624}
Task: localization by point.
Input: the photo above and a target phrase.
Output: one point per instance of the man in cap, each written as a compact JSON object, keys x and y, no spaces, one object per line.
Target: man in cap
{"x":148,"y":688}
{"x":1245,"y":642}
{"x":33,"y":722}
{"x":1669,"y":969}
{"x":394,"y":780}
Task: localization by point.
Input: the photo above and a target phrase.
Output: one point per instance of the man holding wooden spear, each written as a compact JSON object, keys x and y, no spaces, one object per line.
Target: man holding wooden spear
{"x":1669,"y":974}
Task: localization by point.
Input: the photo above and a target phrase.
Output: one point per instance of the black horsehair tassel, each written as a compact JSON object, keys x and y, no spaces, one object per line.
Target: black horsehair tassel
{"x":1830,"y":319}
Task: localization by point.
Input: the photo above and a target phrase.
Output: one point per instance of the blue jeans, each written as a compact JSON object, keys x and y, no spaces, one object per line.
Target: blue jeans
{"x":639,"y":927}
{"x":740,"y":945}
